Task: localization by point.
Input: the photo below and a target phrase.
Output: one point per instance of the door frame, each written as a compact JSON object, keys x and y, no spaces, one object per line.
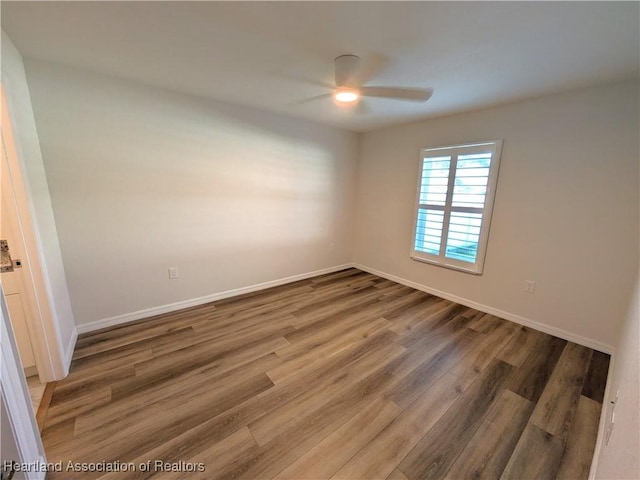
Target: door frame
{"x":46,"y":338}
{"x":15,"y":397}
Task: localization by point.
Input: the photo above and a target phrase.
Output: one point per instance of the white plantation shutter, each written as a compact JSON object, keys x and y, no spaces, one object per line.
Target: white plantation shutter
{"x":456,"y":189}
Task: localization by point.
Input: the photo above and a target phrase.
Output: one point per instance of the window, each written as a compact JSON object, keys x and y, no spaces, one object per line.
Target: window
{"x":456,"y":187}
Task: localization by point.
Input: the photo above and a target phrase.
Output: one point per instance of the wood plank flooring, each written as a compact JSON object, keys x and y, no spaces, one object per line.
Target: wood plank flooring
{"x":343,"y":376}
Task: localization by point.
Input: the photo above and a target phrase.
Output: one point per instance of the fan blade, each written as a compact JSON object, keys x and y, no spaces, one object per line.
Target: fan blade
{"x":307,"y":81}
{"x":411,"y":94}
{"x":346,"y":70}
{"x":312,"y":99}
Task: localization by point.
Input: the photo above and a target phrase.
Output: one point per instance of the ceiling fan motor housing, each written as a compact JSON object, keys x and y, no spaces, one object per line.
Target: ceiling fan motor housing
{"x":346,"y":68}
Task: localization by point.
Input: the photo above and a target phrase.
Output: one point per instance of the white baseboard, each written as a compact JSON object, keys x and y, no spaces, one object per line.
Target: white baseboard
{"x":68,"y":354}
{"x":172,"y":307}
{"x":557,"y":332}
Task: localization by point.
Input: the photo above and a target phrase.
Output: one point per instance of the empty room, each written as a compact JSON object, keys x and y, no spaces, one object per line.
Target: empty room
{"x":320,"y":240}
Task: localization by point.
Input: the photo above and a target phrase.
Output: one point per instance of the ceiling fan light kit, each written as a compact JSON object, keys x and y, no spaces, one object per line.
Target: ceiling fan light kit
{"x":346,"y":95}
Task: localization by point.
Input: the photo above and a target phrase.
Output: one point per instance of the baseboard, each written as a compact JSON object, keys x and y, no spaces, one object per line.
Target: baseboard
{"x":557,"y":332}
{"x":68,"y":354}
{"x":172,"y":307}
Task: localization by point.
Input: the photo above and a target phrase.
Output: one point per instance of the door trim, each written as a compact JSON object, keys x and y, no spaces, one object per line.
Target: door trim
{"x":15,"y":396}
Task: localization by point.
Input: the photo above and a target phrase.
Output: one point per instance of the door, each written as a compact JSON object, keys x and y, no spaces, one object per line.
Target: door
{"x":36,"y":298}
{"x":11,"y":273}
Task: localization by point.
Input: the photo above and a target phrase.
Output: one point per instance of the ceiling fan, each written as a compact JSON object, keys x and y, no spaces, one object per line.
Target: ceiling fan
{"x":348,"y":89}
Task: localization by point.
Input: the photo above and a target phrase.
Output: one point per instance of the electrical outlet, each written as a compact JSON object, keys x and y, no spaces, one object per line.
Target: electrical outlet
{"x":173,"y":273}
{"x":529,"y":286}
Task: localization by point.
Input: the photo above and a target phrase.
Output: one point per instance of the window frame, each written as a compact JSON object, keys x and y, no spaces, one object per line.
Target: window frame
{"x":495,"y":147}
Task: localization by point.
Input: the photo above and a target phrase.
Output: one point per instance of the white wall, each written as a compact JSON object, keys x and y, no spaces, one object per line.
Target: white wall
{"x":34,"y":176}
{"x":143,"y":179}
{"x":620,"y":458}
{"x":565,"y":216}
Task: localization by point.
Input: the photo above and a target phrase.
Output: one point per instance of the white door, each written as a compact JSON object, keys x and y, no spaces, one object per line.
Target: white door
{"x":11,"y":275}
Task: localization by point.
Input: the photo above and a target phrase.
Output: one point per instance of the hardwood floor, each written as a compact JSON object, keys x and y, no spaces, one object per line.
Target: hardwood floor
{"x":344,"y":376}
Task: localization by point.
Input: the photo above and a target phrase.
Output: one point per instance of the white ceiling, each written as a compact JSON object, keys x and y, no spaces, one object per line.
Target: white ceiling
{"x":272,"y":55}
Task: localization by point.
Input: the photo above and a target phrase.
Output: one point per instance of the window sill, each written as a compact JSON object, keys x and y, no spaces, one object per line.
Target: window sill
{"x":445,"y":265}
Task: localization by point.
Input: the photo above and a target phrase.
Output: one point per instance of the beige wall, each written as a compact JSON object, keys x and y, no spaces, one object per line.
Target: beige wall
{"x":620,"y":458}
{"x":143,"y":179}
{"x":34,"y":176}
{"x":565,"y":216}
